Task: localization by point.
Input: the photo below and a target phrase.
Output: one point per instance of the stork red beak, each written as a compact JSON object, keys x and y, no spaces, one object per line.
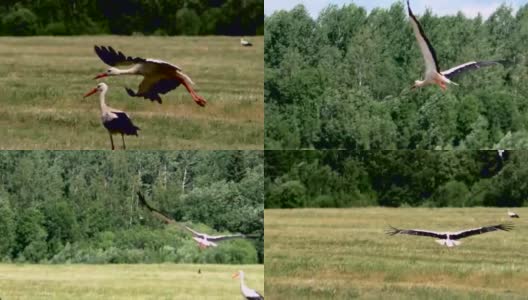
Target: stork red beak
{"x":235,"y":275}
{"x":91,"y":93}
{"x":101,"y":76}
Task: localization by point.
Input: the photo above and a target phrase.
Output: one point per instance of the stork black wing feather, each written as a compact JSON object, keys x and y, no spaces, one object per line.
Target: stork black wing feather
{"x":422,"y":33}
{"x":113,"y":58}
{"x":121,"y":124}
{"x":162,"y":86}
{"x":470,"y":67}
{"x":165,"y":218}
{"x":463,"y":234}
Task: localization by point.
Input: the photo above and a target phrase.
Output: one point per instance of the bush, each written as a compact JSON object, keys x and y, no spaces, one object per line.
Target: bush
{"x":56,"y":28}
{"x":288,"y":195}
{"x":20,"y":22}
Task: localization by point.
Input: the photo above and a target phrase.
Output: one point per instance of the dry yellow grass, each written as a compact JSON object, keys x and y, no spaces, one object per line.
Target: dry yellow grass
{"x":344,"y":254}
{"x":167,"y":281}
{"x":42,"y":80}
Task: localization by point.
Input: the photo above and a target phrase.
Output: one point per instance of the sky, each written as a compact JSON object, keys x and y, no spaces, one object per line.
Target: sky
{"x":470,"y":8}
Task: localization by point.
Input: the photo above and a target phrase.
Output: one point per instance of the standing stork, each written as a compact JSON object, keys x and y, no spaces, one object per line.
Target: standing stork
{"x":245,"y":43}
{"x":249,"y":294}
{"x":433,"y":74}
{"x":450,"y":239}
{"x":115,"y":121}
{"x":160,"y":77}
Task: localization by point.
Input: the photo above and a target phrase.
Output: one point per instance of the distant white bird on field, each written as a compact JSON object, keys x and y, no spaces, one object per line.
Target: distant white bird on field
{"x":511,"y":214}
{"x":248,"y":293}
{"x":114,"y":120}
{"x":160,"y":77}
{"x":450,"y":239}
{"x":245,"y":43}
{"x":433,"y":74}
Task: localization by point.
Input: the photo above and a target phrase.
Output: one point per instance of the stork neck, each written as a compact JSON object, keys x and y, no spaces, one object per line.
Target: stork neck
{"x":102,"y":100}
{"x":130,"y":71}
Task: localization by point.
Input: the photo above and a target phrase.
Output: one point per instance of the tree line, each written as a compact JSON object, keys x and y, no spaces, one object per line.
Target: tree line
{"x":126,"y":17}
{"x":343,"y":79}
{"x":82,"y":207}
{"x":333,"y":178}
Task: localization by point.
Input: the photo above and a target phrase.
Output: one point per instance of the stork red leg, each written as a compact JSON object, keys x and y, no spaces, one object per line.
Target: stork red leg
{"x":197,"y":98}
{"x":111,"y":140}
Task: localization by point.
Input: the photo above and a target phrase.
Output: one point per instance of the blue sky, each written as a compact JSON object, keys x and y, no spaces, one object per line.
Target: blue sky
{"x":440,"y":7}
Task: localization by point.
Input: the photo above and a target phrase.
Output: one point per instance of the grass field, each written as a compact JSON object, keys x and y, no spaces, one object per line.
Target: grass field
{"x":43,"y":79}
{"x":168,"y":281}
{"x":344,"y":254}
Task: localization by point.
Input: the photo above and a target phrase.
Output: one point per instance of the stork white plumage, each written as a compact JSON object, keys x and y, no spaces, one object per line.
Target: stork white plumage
{"x":205,"y":240}
{"x":160,"y":77}
{"x":450,"y":239}
{"x":114,"y":120}
{"x":511,"y":214}
{"x":249,"y":294}
{"x":245,"y":43}
{"x":433,"y":74}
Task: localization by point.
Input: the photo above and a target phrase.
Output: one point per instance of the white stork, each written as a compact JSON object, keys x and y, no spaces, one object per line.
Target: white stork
{"x":205,"y":240}
{"x":245,"y":43}
{"x":114,"y":120}
{"x":160,"y":77}
{"x":511,"y":214}
{"x":248,"y":293}
{"x":433,"y":74}
{"x":450,"y":239}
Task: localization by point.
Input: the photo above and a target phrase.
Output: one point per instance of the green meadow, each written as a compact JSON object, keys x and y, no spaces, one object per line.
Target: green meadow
{"x":344,"y":254}
{"x":43,"y":80}
{"x":167,"y":281}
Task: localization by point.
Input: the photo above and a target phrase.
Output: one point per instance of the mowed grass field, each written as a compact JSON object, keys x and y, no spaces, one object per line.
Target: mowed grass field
{"x":43,"y":80}
{"x":344,"y":254}
{"x":167,"y":281}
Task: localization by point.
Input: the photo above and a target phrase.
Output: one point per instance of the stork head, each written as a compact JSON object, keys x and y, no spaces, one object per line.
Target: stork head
{"x":101,"y":87}
{"x":238,"y":274}
{"x":110,"y":72}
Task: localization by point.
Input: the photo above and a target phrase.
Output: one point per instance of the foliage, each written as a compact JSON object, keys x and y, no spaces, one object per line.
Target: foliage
{"x":81,"y":207}
{"x":342,"y":80}
{"x":125,"y":17}
{"x":335,"y":178}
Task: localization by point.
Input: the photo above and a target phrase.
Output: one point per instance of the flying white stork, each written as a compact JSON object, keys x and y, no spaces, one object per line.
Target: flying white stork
{"x":114,"y":120}
{"x":205,"y":240}
{"x":245,"y":43}
{"x":450,"y":239}
{"x":511,"y":214}
{"x":160,"y":77}
{"x":248,"y":293}
{"x":433,"y":74}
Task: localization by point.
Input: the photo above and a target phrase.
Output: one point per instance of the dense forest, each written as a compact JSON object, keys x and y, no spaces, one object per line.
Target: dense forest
{"x":81,"y":206}
{"x":126,"y":17}
{"x":342,"y":80}
{"x":335,"y":178}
